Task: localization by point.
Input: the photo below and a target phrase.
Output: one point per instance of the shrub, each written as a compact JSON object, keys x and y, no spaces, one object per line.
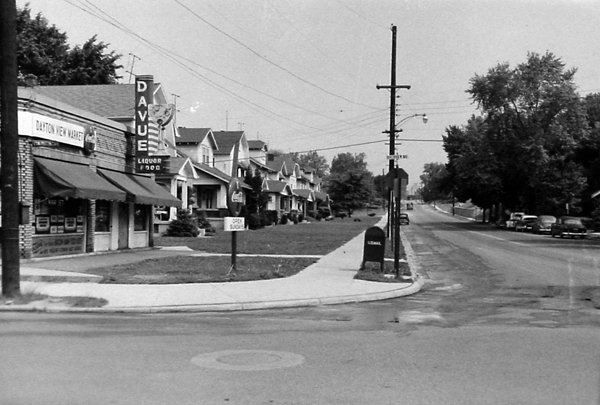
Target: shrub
{"x":254,"y":221}
{"x":301,"y":217}
{"x":266,"y":219}
{"x":284,"y":219}
{"x":184,"y":225}
{"x":202,"y":221}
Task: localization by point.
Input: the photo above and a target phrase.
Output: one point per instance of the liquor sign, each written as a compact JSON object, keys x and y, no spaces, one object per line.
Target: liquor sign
{"x":144,"y":162}
{"x":152,"y":164}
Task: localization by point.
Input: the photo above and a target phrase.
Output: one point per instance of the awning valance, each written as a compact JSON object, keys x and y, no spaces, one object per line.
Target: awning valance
{"x":55,"y":178}
{"x":141,"y":189}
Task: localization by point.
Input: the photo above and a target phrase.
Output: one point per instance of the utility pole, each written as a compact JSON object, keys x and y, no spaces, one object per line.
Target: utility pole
{"x":9,"y":131}
{"x":393,"y":208}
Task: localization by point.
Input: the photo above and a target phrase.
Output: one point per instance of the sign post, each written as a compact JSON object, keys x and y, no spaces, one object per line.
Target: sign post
{"x":235,"y":201}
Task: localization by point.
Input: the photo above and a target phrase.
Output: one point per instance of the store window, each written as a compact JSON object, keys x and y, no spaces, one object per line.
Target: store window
{"x":140,"y":217}
{"x":102,"y":216}
{"x":58,"y":215}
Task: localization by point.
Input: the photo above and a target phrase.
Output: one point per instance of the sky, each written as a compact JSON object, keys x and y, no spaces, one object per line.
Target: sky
{"x":301,"y":75}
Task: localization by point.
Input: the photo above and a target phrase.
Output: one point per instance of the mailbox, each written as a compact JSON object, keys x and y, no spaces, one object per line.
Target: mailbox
{"x":374,"y":248}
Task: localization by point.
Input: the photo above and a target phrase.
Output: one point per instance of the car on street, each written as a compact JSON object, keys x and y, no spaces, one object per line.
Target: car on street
{"x":568,"y":226}
{"x":525,"y":223}
{"x":542,"y":224}
{"x":403,"y":219}
{"x":511,"y":223}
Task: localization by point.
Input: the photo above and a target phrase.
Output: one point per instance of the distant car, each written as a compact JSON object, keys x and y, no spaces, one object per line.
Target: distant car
{"x":511,"y":223}
{"x":525,"y":223}
{"x":409,"y":206}
{"x":568,"y":226}
{"x":542,"y":224}
{"x":403,"y":219}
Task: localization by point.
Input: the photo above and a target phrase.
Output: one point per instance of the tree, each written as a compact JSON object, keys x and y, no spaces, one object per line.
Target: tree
{"x":313,"y":160}
{"x":521,"y":151}
{"x":588,"y":153}
{"x":43,"y":51}
{"x":350,"y":184}
{"x":348,"y":162}
{"x":434,"y":182}
{"x":256,"y":200}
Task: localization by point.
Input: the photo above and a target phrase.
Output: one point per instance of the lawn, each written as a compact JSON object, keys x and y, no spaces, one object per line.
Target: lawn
{"x":314,"y":238}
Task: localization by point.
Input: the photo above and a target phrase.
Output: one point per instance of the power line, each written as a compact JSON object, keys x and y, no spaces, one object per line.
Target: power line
{"x":269,"y":61}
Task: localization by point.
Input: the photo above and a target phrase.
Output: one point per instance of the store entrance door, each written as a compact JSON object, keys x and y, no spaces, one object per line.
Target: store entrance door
{"x":123,"y":226}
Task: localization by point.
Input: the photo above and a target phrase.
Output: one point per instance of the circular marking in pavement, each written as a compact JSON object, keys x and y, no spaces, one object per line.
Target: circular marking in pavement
{"x":248,"y":360}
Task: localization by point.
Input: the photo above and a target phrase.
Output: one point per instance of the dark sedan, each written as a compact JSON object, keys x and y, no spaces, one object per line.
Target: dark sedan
{"x":542,"y":224}
{"x":568,"y":226}
{"x":403,"y":219}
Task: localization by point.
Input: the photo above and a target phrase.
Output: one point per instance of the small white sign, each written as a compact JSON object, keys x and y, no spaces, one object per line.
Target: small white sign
{"x":397,"y":157}
{"x":234,"y":224}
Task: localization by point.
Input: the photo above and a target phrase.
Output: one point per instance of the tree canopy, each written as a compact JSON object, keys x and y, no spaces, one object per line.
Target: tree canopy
{"x":522,"y":150}
{"x":314,"y":160}
{"x":350,"y":184}
{"x":43,"y":52}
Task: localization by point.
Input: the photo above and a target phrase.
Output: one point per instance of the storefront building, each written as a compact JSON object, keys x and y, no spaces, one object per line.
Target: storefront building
{"x":76,"y":177}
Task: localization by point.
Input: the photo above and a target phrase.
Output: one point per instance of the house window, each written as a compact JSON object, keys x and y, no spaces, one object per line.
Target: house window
{"x":205,"y":155}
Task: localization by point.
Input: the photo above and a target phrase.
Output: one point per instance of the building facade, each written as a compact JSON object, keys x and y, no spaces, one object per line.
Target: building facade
{"x":77,"y":183}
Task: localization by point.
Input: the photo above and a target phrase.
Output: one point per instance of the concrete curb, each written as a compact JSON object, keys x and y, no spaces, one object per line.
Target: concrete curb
{"x":405,"y":290}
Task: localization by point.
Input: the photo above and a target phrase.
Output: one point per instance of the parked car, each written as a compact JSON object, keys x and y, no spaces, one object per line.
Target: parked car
{"x":403,"y":219}
{"x":511,"y":223}
{"x":568,"y":226}
{"x":542,"y":224}
{"x":525,"y":223}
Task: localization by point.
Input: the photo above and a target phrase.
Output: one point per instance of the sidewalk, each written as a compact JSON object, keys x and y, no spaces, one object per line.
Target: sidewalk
{"x":329,"y":281}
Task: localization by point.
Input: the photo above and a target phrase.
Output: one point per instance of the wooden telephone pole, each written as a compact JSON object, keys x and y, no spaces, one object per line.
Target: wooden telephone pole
{"x":393,"y":206}
{"x":9,"y":130}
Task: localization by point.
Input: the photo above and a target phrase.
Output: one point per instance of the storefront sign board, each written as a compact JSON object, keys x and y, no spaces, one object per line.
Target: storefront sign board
{"x":51,"y":129}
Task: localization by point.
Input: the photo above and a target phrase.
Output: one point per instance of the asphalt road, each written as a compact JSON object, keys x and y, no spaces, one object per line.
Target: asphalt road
{"x":504,"y":318}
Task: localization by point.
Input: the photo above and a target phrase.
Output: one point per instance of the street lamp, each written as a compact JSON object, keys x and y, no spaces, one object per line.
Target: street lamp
{"x":394,"y":207}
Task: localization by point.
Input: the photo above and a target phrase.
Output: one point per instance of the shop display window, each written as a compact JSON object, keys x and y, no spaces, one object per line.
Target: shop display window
{"x":141,"y":217}
{"x":102,"y":216}
{"x":58,"y":215}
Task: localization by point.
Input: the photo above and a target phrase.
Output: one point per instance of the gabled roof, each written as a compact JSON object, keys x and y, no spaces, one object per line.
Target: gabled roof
{"x":257,"y":145}
{"x":226,"y":140}
{"x":305,"y":193}
{"x":177,"y":163}
{"x":211,"y":171}
{"x":274,"y":186}
{"x":262,"y":165}
{"x":194,"y":136}
{"x":114,"y":101}
{"x":321,"y":196}
{"x":284,"y":164}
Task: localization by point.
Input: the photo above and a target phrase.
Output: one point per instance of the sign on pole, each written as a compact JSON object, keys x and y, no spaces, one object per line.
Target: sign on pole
{"x":234,"y":224}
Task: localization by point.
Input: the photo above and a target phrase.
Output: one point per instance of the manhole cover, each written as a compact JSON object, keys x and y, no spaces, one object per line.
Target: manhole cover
{"x":248,"y":360}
